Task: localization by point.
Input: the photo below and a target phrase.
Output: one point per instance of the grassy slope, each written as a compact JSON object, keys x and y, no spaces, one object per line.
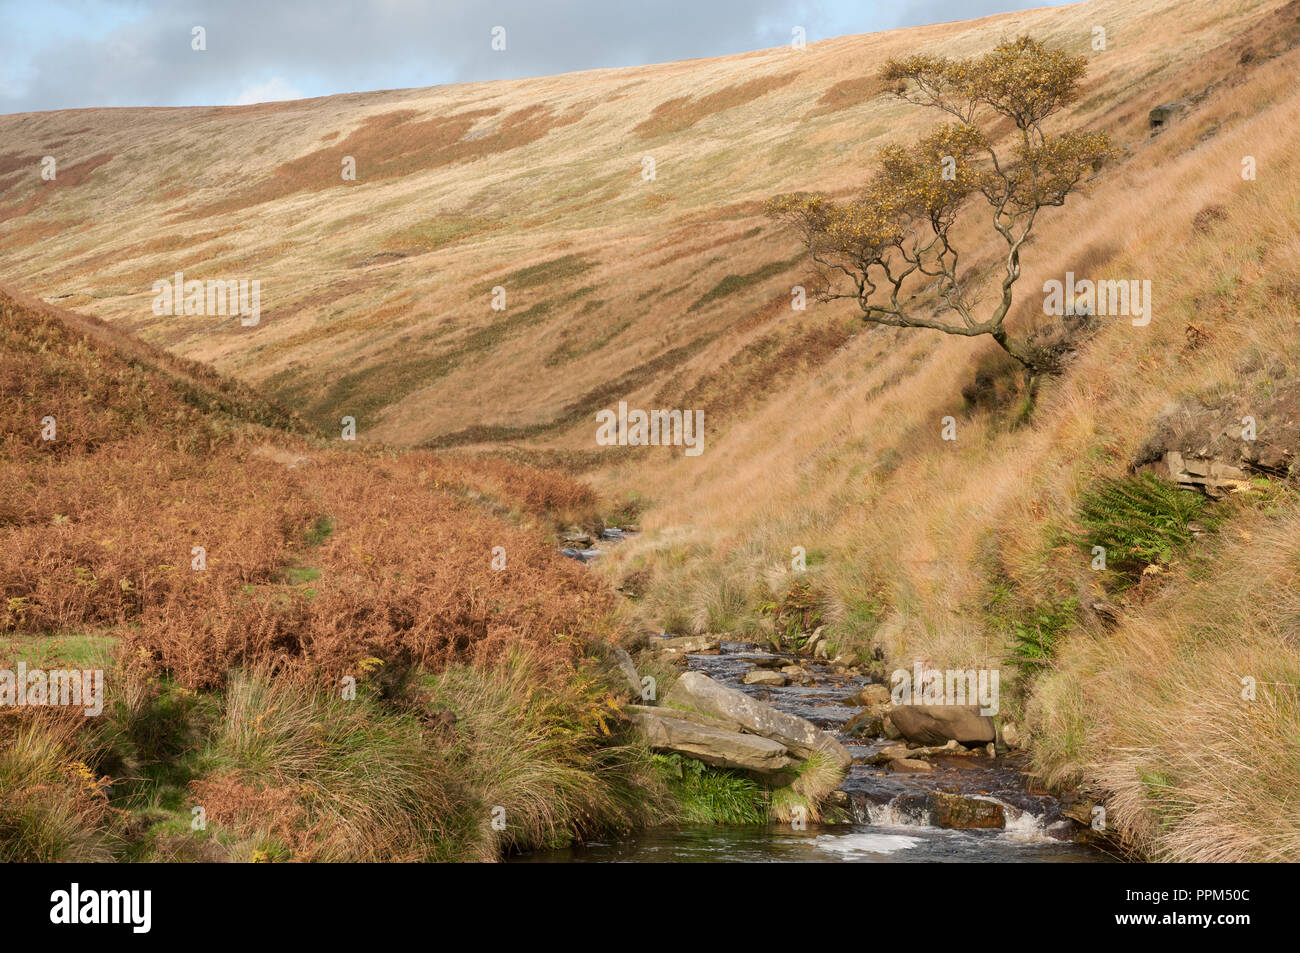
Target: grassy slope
{"x":616,"y":286}
{"x":937,"y":550}
{"x":222,"y":685}
{"x":830,"y":440}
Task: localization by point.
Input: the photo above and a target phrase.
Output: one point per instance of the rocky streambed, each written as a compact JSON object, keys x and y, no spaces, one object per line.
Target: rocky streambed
{"x":917,"y":804}
{"x":931,"y":802}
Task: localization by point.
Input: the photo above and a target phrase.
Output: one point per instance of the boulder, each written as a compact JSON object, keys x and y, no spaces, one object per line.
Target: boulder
{"x":869,"y":696}
{"x":1079,"y":806}
{"x":712,"y":743}
{"x":698,"y":692}
{"x":939,"y":724}
{"x":953,"y":811}
{"x":1163,"y":114}
{"x":764,"y":676}
{"x":910,"y":765}
{"x":865,"y":724}
{"x":890,"y":753}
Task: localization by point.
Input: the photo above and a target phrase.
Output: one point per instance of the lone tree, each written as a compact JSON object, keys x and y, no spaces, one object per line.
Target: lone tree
{"x":898,"y":232}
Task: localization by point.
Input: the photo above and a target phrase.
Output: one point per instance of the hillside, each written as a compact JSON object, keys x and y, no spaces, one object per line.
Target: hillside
{"x":675,"y":292}
{"x":377,"y":293}
{"x":226,"y":574}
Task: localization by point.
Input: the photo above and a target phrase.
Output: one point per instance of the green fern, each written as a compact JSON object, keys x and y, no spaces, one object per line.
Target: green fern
{"x":1140,"y":520}
{"x":1034,"y":640}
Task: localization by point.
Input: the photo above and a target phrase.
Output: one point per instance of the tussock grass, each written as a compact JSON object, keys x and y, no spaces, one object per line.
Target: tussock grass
{"x":816,"y":778}
{"x":1159,"y":715}
{"x":327,"y":778}
{"x":52,"y":807}
{"x":549,"y":756}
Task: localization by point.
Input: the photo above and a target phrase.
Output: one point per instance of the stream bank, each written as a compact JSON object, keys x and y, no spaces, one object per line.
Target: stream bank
{"x":892,"y":812}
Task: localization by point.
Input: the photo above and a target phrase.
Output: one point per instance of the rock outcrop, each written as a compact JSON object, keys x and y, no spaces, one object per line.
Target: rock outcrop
{"x":727,"y":728}
{"x":1216,"y":446}
{"x":1164,"y":114}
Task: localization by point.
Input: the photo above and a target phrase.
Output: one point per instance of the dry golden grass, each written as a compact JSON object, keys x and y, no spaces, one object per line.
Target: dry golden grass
{"x":1157,"y":712}
{"x":677,"y":115}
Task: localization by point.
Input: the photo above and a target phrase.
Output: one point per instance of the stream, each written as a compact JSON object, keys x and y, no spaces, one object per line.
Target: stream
{"x":884,"y":829}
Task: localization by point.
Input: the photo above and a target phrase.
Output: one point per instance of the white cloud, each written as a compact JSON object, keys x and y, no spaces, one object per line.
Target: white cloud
{"x":60,"y":54}
{"x":273,"y":90}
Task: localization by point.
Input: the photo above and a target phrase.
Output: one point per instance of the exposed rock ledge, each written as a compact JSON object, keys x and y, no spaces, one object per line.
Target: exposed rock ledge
{"x":1216,"y":446}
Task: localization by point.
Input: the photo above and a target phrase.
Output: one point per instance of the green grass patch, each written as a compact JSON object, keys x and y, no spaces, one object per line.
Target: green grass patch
{"x":572,"y":350}
{"x":734,"y":283}
{"x":709,"y":795}
{"x":63,"y":650}
{"x":364,"y":393}
{"x":441,"y":231}
{"x":298,"y":575}
{"x":319,"y":531}
{"x":543,"y":273}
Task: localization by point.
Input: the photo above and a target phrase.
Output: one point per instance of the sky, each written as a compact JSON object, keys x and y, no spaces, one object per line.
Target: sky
{"x":60,"y":54}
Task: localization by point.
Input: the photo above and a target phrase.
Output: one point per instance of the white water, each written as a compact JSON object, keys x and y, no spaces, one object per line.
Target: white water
{"x":871,"y":843}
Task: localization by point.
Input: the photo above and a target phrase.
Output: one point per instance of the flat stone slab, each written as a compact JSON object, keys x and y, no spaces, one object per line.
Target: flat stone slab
{"x":740,"y":712}
{"x":667,"y":730}
{"x":684,"y":644}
